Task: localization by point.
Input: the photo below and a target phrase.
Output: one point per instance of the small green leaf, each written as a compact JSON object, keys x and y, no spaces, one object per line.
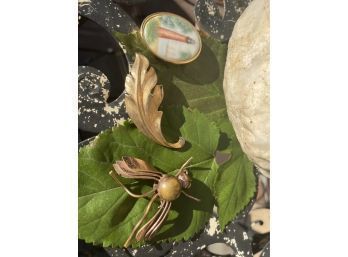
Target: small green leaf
{"x":236,"y":182}
{"x":107,"y":214}
{"x":231,"y":199}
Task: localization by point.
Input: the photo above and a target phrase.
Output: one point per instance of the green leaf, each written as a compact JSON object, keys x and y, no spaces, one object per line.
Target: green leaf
{"x":107,"y":214}
{"x":238,"y":174}
{"x":199,"y":85}
{"x":233,"y":174}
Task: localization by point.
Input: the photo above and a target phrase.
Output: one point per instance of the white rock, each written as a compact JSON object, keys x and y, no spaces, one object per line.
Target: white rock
{"x":220,"y":249}
{"x":246,"y":83}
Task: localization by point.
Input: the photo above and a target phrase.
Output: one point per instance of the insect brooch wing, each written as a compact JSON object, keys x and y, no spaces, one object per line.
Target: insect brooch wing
{"x":166,"y":189}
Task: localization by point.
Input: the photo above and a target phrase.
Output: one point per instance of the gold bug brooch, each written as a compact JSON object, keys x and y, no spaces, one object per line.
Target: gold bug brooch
{"x":166,"y":187}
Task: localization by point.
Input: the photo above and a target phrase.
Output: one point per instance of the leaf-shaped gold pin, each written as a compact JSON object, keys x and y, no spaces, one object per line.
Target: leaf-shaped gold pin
{"x":143,"y":98}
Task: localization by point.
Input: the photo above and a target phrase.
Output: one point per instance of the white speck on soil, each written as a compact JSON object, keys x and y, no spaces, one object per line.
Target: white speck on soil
{"x":213,"y":227}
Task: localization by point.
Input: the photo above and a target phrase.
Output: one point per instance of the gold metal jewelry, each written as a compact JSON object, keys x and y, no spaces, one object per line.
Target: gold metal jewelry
{"x":171,"y":37}
{"x":166,"y":187}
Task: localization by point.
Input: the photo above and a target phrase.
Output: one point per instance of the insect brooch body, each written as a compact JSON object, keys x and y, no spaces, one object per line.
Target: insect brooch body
{"x":166,"y":187}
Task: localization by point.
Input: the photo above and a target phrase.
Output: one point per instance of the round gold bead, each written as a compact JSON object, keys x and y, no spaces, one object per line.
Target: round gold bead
{"x":169,"y":188}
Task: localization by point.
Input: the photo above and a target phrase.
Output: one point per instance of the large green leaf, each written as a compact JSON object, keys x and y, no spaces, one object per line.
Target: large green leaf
{"x":199,"y":85}
{"x":107,"y":214}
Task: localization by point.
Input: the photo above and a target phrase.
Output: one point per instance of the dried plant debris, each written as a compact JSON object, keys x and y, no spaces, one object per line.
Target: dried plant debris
{"x":143,"y":98}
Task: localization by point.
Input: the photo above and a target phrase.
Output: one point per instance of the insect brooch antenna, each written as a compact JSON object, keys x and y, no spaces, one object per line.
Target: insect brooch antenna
{"x":166,"y":187}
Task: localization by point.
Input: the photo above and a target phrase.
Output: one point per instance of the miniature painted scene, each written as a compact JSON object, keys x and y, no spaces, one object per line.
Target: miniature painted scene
{"x":171,"y":37}
{"x":173,"y":128}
